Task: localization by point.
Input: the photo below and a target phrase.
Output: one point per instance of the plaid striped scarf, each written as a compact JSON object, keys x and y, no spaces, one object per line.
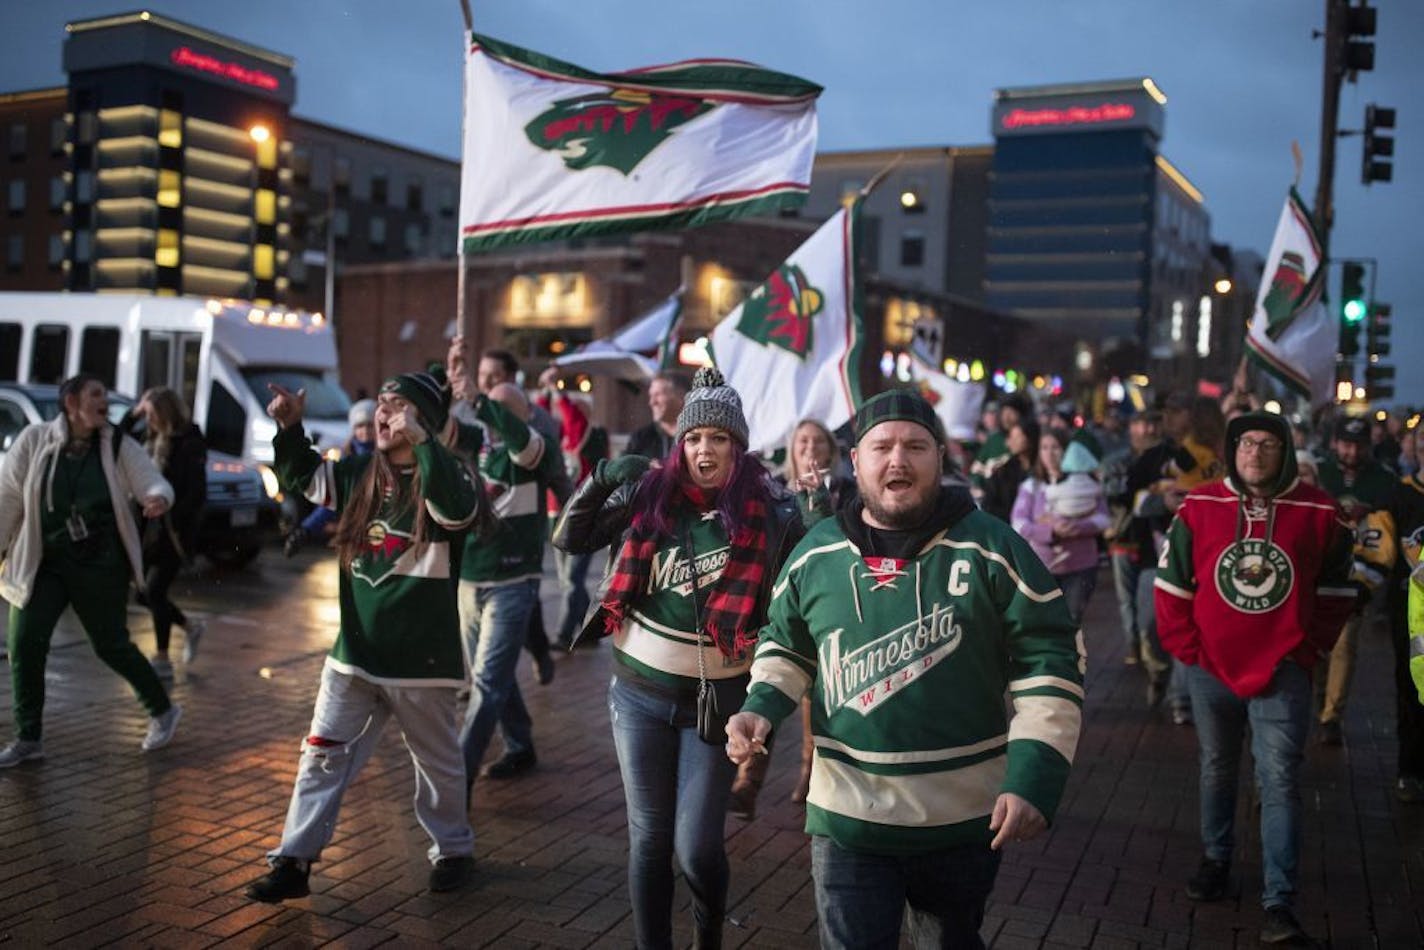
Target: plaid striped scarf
{"x":727,"y":617}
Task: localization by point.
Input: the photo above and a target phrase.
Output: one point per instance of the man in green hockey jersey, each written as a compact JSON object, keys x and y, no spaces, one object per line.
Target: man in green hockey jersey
{"x":907,"y":618}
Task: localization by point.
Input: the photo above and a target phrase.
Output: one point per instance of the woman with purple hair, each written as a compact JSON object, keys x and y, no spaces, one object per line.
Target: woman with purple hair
{"x":700,"y":537}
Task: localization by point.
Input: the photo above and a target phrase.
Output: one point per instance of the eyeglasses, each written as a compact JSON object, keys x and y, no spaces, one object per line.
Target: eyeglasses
{"x":1264,"y":446}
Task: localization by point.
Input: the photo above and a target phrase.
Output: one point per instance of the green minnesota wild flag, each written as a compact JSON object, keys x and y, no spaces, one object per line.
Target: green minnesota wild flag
{"x":791,"y":349}
{"x":552,"y":150}
{"x":1291,"y":335}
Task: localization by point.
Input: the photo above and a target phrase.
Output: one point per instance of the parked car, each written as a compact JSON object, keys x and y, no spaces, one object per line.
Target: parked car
{"x":239,"y":514}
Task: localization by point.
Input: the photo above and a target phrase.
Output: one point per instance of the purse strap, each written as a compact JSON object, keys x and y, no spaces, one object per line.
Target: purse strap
{"x":696,"y":606}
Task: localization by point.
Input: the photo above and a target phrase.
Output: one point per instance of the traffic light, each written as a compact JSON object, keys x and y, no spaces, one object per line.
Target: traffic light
{"x":1377,"y":330}
{"x":1353,"y":303}
{"x":1375,"y":164}
{"x":1379,"y":381}
{"x":1359,"y":51}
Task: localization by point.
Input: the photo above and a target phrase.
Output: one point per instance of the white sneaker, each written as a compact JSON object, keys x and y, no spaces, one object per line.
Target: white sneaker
{"x":163,"y":667}
{"x":193,"y":635}
{"x":161,"y":728}
{"x":21,"y":750}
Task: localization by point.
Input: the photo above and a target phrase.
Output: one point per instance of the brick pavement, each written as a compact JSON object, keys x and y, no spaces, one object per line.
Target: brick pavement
{"x":105,"y":846}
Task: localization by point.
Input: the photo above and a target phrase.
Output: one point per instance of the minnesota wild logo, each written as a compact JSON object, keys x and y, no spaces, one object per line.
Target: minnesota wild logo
{"x":779,"y":312}
{"x":1254,"y":577}
{"x":385,"y":547}
{"x":1287,"y":289}
{"x":618,"y":128}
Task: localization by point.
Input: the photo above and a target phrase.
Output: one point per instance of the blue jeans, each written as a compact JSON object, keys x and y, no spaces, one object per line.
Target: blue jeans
{"x":1160,"y":664}
{"x":573,"y":584}
{"x":861,"y":897}
{"x":676,"y":787}
{"x":1125,"y":571}
{"x":1077,"y":589}
{"x":495,"y":620}
{"x":1279,"y":719}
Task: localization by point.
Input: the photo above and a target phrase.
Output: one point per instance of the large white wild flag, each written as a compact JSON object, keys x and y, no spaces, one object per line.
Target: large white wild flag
{"x":552,"y":150}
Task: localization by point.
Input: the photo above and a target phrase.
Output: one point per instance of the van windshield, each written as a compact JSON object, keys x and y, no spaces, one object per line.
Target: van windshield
{"x":324,"y":400}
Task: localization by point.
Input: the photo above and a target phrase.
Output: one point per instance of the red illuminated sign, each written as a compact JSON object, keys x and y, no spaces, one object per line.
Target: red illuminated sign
{"x":191,"y":59}
{"x":1072,"y":115}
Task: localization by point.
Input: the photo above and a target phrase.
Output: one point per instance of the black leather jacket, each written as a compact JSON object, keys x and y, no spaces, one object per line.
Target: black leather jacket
{"x":599,"y":516}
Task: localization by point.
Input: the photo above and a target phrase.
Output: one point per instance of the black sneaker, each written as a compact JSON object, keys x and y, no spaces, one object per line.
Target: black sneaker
{"x":1209,"y":883}
{"x":1282,"y":929}
{"x":450,"y":873}
{"x":287,"y":879}
{"x":512,"y":764}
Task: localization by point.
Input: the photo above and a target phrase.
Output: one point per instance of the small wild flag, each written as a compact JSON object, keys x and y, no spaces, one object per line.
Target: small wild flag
{"x":792,"y":348}
{"x":554,"y":151}
{"x":1292,"y":336}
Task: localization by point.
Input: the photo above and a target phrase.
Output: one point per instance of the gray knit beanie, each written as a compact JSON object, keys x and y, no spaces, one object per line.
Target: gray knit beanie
{"x":711,"y":402}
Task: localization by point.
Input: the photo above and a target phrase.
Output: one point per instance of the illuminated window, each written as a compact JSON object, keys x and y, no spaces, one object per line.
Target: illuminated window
{"x":549,"y":299}
{"x":267,"y":152}
{"x":725,"y":294}
{"x":900,"y":318}
{"x":264,"y":206}
{"x":170,"y":128}
{"x":170,"y":188}
{"x":262,"y":262}
{"x":167,"y":253}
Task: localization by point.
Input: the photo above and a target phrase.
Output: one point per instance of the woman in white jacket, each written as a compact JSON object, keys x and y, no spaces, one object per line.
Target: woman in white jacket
{"x":68,"y":539}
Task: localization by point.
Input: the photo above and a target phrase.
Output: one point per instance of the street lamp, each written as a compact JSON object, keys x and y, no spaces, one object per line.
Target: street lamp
{"x":1223,"y":286}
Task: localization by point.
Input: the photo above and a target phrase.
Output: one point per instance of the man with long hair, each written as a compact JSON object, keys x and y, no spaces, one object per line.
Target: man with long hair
{"x":403,"y":513}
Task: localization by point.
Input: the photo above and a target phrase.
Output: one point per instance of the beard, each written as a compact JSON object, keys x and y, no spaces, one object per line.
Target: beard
{"x":901,"y":519}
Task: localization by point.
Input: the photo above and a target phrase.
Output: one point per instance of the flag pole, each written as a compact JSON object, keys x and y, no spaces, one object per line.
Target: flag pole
{"x":880,"y":175}
{"x":465,"y":40}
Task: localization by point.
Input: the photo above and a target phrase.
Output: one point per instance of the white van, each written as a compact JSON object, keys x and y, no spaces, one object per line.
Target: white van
{"x":218,"y":354}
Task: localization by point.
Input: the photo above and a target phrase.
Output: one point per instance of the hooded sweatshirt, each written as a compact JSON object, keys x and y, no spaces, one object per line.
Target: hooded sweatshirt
{"x":1244,"y":583}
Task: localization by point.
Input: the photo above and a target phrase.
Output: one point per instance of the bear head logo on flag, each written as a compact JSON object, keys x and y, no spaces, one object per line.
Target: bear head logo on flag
{"x":779,"y":313}
{"x":618,"y":128}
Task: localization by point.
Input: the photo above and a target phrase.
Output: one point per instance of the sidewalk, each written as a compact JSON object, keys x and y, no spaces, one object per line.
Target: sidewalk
{"x":105,"y":846}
